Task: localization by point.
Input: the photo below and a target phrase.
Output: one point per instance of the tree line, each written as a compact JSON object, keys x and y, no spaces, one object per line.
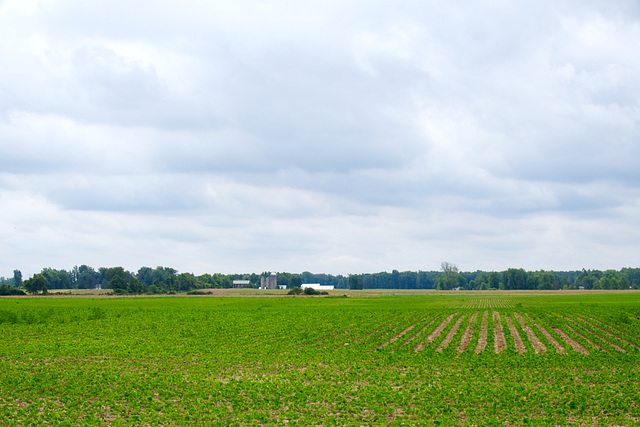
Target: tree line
{"x":168,"y":280}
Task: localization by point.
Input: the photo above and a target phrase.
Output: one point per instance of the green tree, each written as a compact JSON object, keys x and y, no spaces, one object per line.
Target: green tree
{"x":609,"y":280}
{"x":121,"y":281}
{"x":493,"y":280}
{"x":36,"y":284}
{"x":514,"y":278}
{"x":450,"y":277}
{"x":295,"y":281}
{"x":17,"y":278}
{"x":546,"y":280}
{"x":356,"y":282}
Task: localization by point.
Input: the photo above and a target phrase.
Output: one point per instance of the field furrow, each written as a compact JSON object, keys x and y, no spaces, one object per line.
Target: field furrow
{"x":559,"y":348}
{"x":452,"y":333}
{"x":396,"y":337}
{"x":482,"y":339}
{"x":517,"y":340}
{"x":538,"y":346}
{"x":604,"y":331}
{"x":417,"y":334}
{"x":573,"y":343}
{"x":587,"y":340}
{"x":585,"y":326}
{"x":468,"y":334}
{"x":436,"y":333}
{"x":499,"y":343}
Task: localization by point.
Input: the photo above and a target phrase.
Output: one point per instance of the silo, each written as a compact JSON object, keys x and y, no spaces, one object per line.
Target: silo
{"x":273,"y":281}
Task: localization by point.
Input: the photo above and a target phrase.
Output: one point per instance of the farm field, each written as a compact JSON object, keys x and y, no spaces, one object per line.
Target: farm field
{"x":405,"y":358}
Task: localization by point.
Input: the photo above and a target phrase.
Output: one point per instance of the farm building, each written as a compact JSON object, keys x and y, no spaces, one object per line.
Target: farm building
{"x":270,"y":282}
{"x":317,"y":286}
{"x":241,"y":284}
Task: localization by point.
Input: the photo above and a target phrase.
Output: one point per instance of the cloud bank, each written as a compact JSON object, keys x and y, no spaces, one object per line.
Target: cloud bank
{"x":336,"y":137}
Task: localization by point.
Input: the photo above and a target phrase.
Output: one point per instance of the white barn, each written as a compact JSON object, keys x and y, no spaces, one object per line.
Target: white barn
{"x":317,"y":286}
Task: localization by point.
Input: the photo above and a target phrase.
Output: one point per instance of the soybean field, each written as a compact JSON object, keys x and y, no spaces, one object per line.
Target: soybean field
{"x":410,"y":359}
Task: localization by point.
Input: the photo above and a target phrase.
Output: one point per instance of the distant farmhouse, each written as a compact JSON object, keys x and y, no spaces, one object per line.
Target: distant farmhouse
{"x":270,"y":282}
{"x":317,"y":286}
{"x":241,"y":284}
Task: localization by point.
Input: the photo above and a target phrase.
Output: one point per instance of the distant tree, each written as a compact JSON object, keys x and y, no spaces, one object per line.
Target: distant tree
{"x":295,"y":281}
{"x":546,"y":280}
{"x":17,"y":278}
{"x":36,"y":284}
{"x":87,"y":278}
{"x":145,"y":275}
{"x":356,"y":282}
{"x":122,"y":281}
{"x":186,"y":281}
{"x":610,"y":280}
{"x":57,"y":279}
{"x":450,"y":277}
{"x":588,"y":279}
{"x":514,"y":278}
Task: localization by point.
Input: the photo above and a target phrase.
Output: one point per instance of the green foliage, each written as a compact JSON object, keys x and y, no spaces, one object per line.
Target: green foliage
{"x":450,"y":278}
{"x":6,"y":289}
{"x":295,"y":291}
{"x":311,"y":291}
{"x":356,"y":282}
{"x":17,"y":278}
{"x":36,"y":284}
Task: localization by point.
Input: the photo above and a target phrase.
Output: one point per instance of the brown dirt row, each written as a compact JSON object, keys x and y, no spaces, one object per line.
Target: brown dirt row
{"x":609,"y":343}
{"x":482,"y":340}
{"x":591,"y":343}
{"x":607,"y":332}
{"x":547,"y":335}
{"x":433,"y":335}
{"x":538,"y":346}
{"x":396,"y":337}
{"x":417,"y":334}
{"x":468,"y":334}
{"x":499,"y":342}
{"x":370,"y":334}
{"x":452,"y":333}
{"x":517,"y":340}
{"x":605,"y":324}
{"x":573,"y":343}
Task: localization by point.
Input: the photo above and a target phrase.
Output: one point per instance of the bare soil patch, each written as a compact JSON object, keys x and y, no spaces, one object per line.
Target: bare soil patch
{"x":499,"y":343}
{"x":538,"y":346}
{"x":520,"y":347}
{"x":468,"y":334}
{"x":436,"y":333}
{"x":482,"y":340}
{"x":452,"y":333}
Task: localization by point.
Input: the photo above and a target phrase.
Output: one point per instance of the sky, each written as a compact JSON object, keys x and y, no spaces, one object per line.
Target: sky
{"x":327,"y":136}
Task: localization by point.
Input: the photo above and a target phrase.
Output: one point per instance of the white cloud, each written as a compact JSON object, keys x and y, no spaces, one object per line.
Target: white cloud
{"x":324,"y":136}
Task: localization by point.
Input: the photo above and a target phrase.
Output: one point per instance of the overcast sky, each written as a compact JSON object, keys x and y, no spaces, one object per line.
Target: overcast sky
{"x":327,"y":136}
